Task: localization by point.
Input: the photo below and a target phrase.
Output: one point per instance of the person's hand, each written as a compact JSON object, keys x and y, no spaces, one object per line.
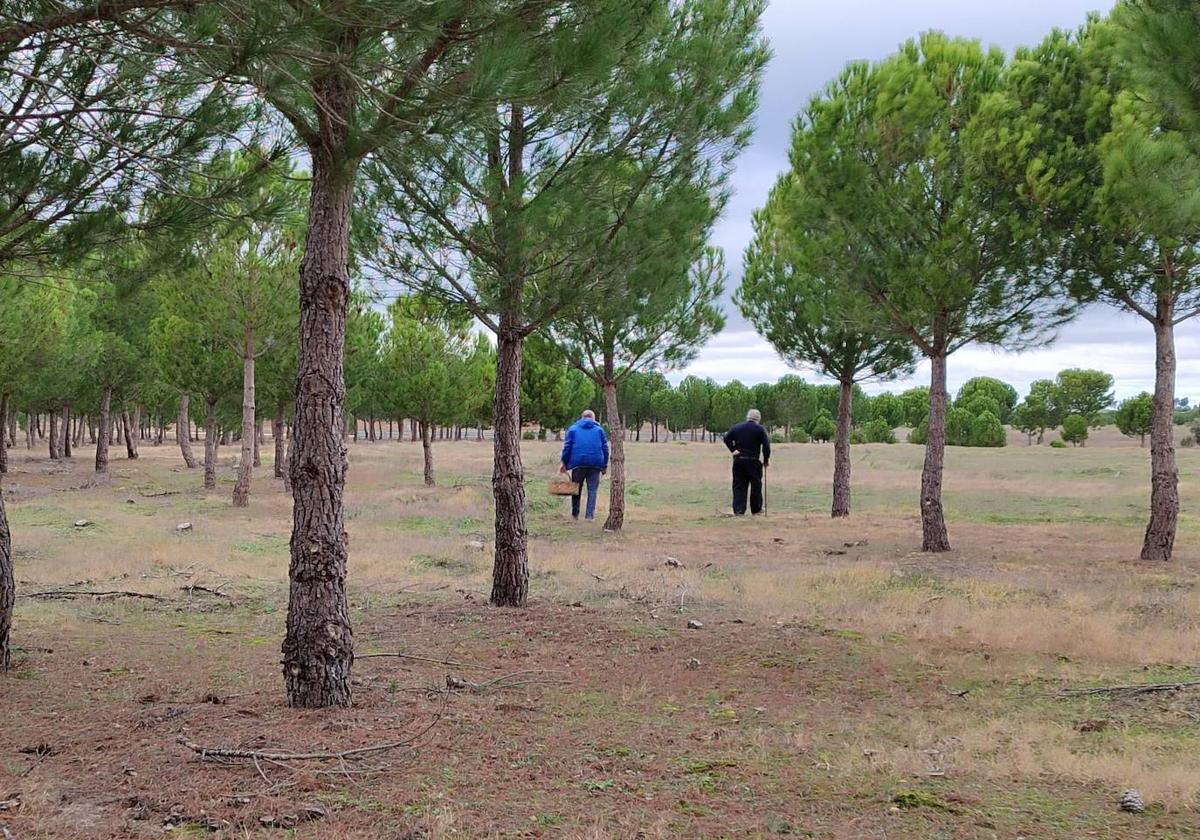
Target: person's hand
{"x":604,"y":471}
{"x":765,"y":466}
{"x":735,"y":453}
{"x":562,"y":468}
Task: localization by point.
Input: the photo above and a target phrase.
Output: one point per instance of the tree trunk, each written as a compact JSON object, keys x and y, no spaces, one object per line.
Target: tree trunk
{"x":510,"y":575}
{"x":933,"y":519}
{"x":8,"y":588}
{"x":291,"y":455}
{"x":53,"y":442}
{"x":65,"y":440}
{"x":413,"y":434}
{"x":183,"y":431}
{"x":280,"y":445}
{"x":1164,"y":475}
{"x":29,"y":430}
{"x":241,"y":489}
{"x":616,"y":457}
{"x":318,"y":648}
{"x":258,"y":442}
{"x":841,"y":453}
{"x":102,"y":440}
{"x":210,"y":445}
{"x":427,"y":450}
{"x":131,"y":438}
{"x":4,"y":436}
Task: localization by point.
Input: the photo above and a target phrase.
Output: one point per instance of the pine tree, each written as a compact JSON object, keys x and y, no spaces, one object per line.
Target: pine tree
{"x":534,"y":202}
{"x":915,"y":161}
{"x":664,"y":313}
{"x":799,"y":293}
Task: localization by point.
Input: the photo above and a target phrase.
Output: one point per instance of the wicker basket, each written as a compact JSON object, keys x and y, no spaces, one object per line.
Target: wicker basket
{"x":564,"y":487}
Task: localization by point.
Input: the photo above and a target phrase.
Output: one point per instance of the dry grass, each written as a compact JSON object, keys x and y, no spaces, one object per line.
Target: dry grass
{"x":843,"y":676}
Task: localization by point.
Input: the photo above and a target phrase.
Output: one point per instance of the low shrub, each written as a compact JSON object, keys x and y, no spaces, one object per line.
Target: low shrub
{"x":777,"y":437}
{"x":857,"y":436}
{"x":529,"y":434}
{"x":800,"y":436}
{"x":879,"y":431}
{"x":823,"y":428}
{"x":1188,"y":442}
{"x":1075,"y":430}
{"x":920,"y":433}
{"x":1057,"y":444}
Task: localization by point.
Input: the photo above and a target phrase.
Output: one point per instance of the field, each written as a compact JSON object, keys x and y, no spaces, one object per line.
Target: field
{"x":841,"y":684}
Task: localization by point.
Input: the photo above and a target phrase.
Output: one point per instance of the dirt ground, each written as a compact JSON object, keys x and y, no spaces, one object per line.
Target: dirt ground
{"x":840,"y":684}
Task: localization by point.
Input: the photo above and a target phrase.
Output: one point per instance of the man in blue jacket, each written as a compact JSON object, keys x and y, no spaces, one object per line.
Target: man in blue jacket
{"x":585,"y":454}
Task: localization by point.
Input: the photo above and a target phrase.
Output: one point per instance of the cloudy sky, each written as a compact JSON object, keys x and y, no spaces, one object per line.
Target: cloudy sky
{"x":812,"y":40}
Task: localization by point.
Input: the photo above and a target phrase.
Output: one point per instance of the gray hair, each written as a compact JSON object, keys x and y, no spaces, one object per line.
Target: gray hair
{"x":754,"y":415}
{"x":589,"y":414}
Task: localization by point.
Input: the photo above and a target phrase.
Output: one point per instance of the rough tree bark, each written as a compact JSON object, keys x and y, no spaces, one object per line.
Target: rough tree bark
{"x":241,"y":489}
{"x":280,"y":444}
{"x":102,"y":440}
{"x":841,"y":453}
{"x":210,"y":445}
{"x":510,"y":575}
{"x":183,"y":431}
{"x":8,"y":588}
{"x":616,"y":456}
{"x":5,"y":439}
{"x":1159,"y":541}
{"x":933,"y":520}
{"x":427,"y":451}
{"x":318,"y":648}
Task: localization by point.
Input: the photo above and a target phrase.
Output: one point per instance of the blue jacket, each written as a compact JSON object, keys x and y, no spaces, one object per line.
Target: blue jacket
{"x":585,"y":445}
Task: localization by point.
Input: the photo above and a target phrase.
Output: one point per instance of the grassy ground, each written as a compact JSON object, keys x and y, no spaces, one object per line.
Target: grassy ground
{"x":842,"y":684}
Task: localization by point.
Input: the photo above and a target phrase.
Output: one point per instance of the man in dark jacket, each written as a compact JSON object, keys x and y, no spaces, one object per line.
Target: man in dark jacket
{"x":748,"y":442}
{"x":585,"y":454}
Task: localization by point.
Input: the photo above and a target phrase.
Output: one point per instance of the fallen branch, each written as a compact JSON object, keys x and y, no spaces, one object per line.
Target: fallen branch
{"x":507,"y":681}
{"x":229,"y":754}
{"x":1129,"y":690}
{"x":87,"y":593}
{"x":193,"y":588}
{"x":414,"y":657}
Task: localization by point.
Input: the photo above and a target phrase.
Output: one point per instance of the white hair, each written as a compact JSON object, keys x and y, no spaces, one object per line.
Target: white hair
{"x":589,"y":414}
{"x":754,"y":415}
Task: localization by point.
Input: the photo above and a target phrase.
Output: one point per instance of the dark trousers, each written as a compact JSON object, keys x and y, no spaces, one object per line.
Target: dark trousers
{"x":747,"y":475}
{"x":591,"y":477}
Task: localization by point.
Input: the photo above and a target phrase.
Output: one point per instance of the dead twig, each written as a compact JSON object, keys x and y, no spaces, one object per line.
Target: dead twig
{"x":67,"y":594}
{"x":1128,"y":690}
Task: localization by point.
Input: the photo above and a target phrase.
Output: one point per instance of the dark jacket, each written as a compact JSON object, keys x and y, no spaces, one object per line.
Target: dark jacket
{"x":585,"y":445}
{"x":749,"y":440}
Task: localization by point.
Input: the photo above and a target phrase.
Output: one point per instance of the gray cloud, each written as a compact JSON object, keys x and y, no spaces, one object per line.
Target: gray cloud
{"x":812,"y":41}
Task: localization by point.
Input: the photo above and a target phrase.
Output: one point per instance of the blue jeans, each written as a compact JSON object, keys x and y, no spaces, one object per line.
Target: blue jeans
{"x":591,"y":477}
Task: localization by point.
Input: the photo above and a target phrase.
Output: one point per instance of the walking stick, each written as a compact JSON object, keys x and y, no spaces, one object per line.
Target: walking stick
{"x":764,"y":489}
